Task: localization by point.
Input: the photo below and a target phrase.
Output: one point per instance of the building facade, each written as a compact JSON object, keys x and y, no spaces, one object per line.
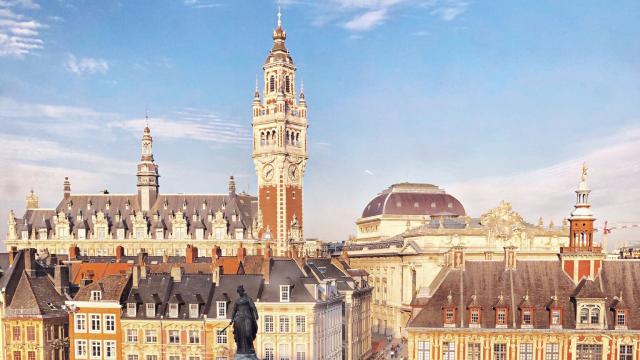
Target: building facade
{"x":577,"y":306}
{"x":413,"y":262}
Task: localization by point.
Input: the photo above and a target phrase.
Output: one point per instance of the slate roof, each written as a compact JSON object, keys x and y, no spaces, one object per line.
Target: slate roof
{"x":113,"y":288}
{"x":226,"y":291}
{"x":36,"y":296}
{"x":414,"y":199}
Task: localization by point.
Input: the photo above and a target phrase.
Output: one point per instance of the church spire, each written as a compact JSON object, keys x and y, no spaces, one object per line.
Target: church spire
{"x":147,"y":174}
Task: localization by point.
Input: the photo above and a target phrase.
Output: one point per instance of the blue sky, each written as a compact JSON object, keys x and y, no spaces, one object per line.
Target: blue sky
{"x":491,"y":100}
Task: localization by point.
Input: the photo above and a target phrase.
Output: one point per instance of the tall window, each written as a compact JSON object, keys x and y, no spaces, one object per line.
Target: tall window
{"x":268,"y":352}
{"x":17,"y":355}
{"x":221,"y":336}
{"x":110,"y":323}
{"x":268,"y":323}
{"x":588,"y":352}
{"x":31,"y":333}
{"x":301,"y":353}
{"x":526,"y":351}
{"x":474,"y":351}
{"x":81,"y":322}
{"x":552,"y":351}
{"x":17,"y":334}
{"x":424,"y":350}
{"x":584,"y":315}
{"x":284,"y":354}
{"x":95,"y":323}
{"x":499,"y":351}
{"x":110,"y":349}
{"x":194,"y":336}
{"x":96,"y":349}
{"x":31,"y":355}
{"x":174,"y":336}
{"x":81,"y":348}
{"x":595,"y":315}
{"x":626,"y":352}
{"x":448,"y":351}
{"x":132,"y":336}
{"x":284,"y":324}
{"x":300,"y":323}
{"x":284,"y":293}
{"x":272,"y":83}
{"x":287,"y":84}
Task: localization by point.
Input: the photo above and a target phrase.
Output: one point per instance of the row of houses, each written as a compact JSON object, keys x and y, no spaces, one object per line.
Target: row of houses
{"x":179,"y":308}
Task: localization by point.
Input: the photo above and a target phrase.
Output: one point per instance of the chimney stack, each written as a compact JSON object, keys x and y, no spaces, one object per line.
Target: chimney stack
{"x":191,"y":254}
{"x":510,"y":260}
{"x":12,"y":255}
{"x":74,"y":252}
{"x":61,"y":279}
{"x":119,"y":253}
{"x":141,"y":256}
{"x":67,"y":188}
{"x":217,"y":271}
{"x":232,"y":187}
{"x":30,"y":261}
{"x":176,"y":273}
{"x":135,"y":273}
{"x":215,"y":252}
{"x":266,"y":265}
{"x":242,"y":253}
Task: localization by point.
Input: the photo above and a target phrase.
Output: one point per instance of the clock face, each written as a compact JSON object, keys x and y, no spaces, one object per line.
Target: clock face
{"x":293,"y":172}
{"x":267,"y":172}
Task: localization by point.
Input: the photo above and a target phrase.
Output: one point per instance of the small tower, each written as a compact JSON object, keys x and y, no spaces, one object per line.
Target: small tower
{"x":147,"y":172}
{"x":582,"y":258}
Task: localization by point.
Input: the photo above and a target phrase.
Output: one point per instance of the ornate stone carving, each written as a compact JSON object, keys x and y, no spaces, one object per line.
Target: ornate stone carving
{"x":503,"y":222}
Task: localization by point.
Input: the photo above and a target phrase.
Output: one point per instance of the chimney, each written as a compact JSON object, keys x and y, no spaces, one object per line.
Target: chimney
{"x":217,"y":271}
{"x":12,"y":255}
{"x":119,"y":253}
{"x":30,"y":261}
{"x":510,"y":260}
{"x":266,"y":264}
{"x":135,"y":274}
{"x":74,"y":252}
{"x":242,"y":253}
{"x":67,"y":188}
{"x":191,"y":254}
{"x":232,"y":187}
{"x":165,"y":257}
{"x":141,"y":256}
{"x":61,"y":279}
{"x":143,"y":271}
{"x":176,"y":273}
{"x":215,"y":252}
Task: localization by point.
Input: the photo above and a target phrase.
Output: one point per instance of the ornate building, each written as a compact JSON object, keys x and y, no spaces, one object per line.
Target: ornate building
{"x":576,"y":306}
{"x":280,"y":146}
{"x":410,"y":235}
{"x":159,"y":223}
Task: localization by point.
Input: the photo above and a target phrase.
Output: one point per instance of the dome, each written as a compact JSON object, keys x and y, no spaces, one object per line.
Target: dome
{"x":414,"y":199}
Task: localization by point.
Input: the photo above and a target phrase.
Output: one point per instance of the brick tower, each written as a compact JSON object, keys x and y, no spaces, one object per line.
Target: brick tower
{"x":279,"y":147}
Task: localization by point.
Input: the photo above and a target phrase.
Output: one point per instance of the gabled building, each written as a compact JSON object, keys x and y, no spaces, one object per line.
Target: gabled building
{"x":34,"y":316}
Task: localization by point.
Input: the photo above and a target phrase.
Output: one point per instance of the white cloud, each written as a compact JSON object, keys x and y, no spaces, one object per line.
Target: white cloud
{"x":192,"y":124}
{"x":367,"y":20}
{"x":19,"y":35}
{"x":549,"y":192}
{"x":86,"y":65}
{"x":201,"y":4}
{"x":368,"y":172}
{"x":448,"y":10}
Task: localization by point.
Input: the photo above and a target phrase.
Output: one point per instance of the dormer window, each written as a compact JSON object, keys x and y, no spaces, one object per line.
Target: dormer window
{"x":193,"y":311}
{"x":221,"y":309}
{"x":131,"y":309}
{"x":474,"y":317}
{"x":501,"y":317}
{"x":150,"y":310}
{"x":159,"y":234}
{"x":173,"y":310}
{"x":621,"y":318}
{"x":589,"y":316}
{"x":284,"y":293}
{"x":96,"y":295}
{"x":449,"y":317}
{"x":527,"y":317}
{"x":556,"y":317}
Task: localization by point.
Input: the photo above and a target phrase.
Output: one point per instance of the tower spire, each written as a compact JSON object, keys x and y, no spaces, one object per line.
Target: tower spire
{"x":279,"y":17}
{"x":147,"y":174}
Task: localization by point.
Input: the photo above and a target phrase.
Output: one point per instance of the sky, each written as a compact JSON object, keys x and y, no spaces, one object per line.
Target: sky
{"x":490,"y":100}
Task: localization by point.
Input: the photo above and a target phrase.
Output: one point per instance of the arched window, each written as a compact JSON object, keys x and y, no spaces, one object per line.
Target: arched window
{"x":273,"y":136}
{"x":286,"y":138}
{"x":297,"y":141}
{"x":272,"y":83}
{"x":287,"y":84}
{"x":262,"y":139}
{"x":584,"y":316}
{"x":595,"y":315}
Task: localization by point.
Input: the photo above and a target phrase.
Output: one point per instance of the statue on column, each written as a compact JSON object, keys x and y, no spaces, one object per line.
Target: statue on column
{"x":245,"y":326}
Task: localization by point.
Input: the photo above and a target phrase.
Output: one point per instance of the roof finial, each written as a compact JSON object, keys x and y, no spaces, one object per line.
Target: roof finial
{"x":279,"y":17}
{"x":584,"y":171}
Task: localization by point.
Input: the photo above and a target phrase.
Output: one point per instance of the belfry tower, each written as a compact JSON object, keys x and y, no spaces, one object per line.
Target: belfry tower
{"x":279,"y":147}
{"x":582,"y":258}
{"x":147,"y":172}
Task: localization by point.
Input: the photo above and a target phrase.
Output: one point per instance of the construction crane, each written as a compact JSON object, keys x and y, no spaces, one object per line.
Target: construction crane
{"x":619,"y":226}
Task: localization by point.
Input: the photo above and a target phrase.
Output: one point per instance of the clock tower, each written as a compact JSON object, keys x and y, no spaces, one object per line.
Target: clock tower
{"x":279,"y":147}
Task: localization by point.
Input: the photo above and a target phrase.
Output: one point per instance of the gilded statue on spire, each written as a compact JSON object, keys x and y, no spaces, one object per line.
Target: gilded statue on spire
{"x":584,"y":171}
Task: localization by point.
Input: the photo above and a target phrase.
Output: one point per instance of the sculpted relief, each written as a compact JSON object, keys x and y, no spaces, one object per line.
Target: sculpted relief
{"x":506,"y":227}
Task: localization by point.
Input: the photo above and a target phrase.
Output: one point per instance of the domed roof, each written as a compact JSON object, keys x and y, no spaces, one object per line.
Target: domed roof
{"x":414,"y":199}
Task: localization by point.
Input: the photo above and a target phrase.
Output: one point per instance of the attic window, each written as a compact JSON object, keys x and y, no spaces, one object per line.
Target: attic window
{"x":193,"y":311}
{"x":151,"y":310}
{"x":527,"y":317}
{"x":284,"y":293}
{"x":555,"y":317}
{"x":450,"y":205}
{"x":474,"y":316}
{"x":51,"y":306}
{"x":433,"y":205}
{"x":621,"y":318}
{"x":131,"y":309}
{"x":501,"y":317}
{"x":416,"y":205}
{"x":221,"y":307}
{"x":173,"y":310}
{"x":398,"y":204}
{"x":96,"y":295}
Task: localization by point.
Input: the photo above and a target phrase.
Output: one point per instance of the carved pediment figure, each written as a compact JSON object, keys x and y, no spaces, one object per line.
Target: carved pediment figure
{"x":503,"y":222}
